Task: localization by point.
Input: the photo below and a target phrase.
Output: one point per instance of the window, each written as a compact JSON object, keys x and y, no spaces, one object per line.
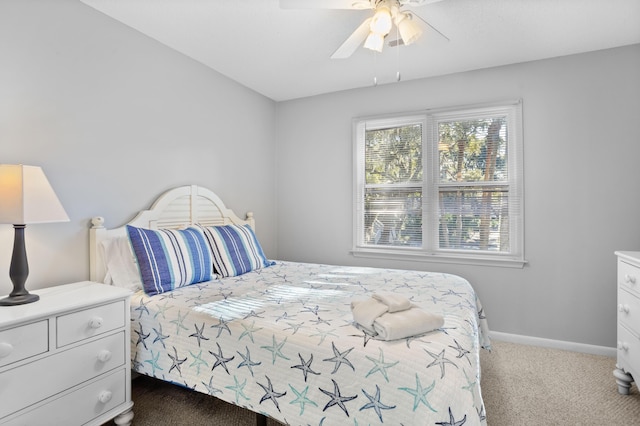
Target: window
{"x":443,"y":185}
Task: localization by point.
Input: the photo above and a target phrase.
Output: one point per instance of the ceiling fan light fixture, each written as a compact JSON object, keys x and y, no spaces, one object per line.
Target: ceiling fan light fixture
{"x":381,"y":22}
{"x":409,"y":30}
{"x":374,"y":41}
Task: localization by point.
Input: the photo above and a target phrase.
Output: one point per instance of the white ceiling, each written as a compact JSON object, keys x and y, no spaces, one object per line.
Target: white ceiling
{"x":285,"y":54}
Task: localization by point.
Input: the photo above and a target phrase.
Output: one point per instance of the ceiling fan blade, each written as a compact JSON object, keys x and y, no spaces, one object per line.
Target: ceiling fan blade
{"x":354,"y":41}
{"x":325,"y":4}
{"x":429,"y":30}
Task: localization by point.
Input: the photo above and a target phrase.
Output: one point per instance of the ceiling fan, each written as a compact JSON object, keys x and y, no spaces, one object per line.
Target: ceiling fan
{"x":372,"y":33}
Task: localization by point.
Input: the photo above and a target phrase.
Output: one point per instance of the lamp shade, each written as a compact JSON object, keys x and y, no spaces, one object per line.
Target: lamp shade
{"x":374,"y":41}
{"x":381,"y":22}
{"x":409,"y":30}
{"x":27,"y":197}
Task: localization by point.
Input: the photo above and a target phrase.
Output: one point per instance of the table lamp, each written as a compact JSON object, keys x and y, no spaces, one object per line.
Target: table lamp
{"x":25,"y":197}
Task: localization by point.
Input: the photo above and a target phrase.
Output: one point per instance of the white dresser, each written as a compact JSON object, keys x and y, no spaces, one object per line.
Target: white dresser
{"x":628,"y":360}
{"x":64,"y":360}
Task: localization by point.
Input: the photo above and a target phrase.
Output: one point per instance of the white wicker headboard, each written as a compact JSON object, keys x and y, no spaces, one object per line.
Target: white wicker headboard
{"x":176,"y":208}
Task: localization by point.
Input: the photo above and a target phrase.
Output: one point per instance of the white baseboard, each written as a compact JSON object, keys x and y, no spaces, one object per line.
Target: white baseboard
{"x":555,"y":344}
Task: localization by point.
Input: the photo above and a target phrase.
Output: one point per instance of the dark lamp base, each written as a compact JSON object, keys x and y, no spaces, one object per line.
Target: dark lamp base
{"x":19,"y":300}
{"x":18,"y":272}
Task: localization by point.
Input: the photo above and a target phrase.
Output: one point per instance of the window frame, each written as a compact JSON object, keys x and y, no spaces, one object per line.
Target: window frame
{"x":430,"y":251}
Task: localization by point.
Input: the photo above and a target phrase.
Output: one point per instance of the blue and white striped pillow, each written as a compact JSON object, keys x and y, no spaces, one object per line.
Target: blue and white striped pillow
{"x":169,"y":258}
{"x":235,"y":250}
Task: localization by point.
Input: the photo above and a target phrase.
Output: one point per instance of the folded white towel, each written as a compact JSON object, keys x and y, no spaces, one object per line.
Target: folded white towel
{"x":410,"y":322}
{"x":366,"y":311}
{"x":395,"y":302}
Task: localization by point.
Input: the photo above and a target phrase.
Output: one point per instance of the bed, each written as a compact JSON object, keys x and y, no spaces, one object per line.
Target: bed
{"x":280,"y":339}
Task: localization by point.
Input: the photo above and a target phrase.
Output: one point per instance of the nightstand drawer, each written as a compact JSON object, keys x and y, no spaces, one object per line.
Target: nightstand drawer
{"x":22,"y":342}
{"x":629,"y":277}
{"x":629,"y":311}
{"x":89,"y":322}
{"x":80,"y":406}
{"x":59,"y":372}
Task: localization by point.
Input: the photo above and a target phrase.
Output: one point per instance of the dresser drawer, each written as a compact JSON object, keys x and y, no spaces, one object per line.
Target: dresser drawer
{"x":24,"y":341}
{"x":80,"y":406}
{"x":628,"y":350}
{"x":90,"y":322}
{"x":31,"y":383}
{"x":629,"y":277}
{"x":629,"y":311}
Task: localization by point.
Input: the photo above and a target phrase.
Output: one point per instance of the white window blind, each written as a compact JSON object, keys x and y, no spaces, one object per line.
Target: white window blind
{"x":443,"y":184}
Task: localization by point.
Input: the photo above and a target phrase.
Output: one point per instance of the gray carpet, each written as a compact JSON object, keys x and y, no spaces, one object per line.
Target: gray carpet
{"x":528,"y":385}
{"x":521,"y":385}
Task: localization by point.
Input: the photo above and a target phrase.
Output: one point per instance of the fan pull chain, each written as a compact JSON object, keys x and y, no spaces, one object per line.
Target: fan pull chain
{"x":375,"y":69}
{"x":398,"y":55}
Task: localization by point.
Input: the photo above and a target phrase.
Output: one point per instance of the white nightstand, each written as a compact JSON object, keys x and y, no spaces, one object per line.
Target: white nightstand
{"x":65,"y":359}
{"x":628,"y":365}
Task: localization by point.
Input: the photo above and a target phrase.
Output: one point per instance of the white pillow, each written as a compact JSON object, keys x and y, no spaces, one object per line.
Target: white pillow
{"x":122,"y":269}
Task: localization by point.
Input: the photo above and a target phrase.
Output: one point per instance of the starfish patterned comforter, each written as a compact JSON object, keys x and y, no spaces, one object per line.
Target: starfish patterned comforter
{"x":281,"y":341}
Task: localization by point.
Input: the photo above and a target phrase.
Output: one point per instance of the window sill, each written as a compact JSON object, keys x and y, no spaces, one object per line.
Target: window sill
{"x":452,"y":258}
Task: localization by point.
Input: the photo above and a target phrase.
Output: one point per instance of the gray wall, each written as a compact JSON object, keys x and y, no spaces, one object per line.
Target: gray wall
{"x":582,"y":200}
{"x":115,"y":119}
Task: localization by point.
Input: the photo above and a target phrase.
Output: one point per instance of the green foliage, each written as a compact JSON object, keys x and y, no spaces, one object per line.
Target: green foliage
{"x":394,"y":155}
{"x":464,"y":146}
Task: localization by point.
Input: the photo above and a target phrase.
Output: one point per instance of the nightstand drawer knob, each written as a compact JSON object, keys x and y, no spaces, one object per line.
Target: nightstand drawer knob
{"x":104,"y":355}
{"x":105,"y":396}
{"x":95,"y":323}
{"x":623,"y":346}
{"x":623,"y":308}
{"x":629,"y":279}
{"x":5,"y":349}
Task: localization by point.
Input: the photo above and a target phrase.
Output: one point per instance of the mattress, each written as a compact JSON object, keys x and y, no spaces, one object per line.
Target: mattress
{"x":281,"y":341}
